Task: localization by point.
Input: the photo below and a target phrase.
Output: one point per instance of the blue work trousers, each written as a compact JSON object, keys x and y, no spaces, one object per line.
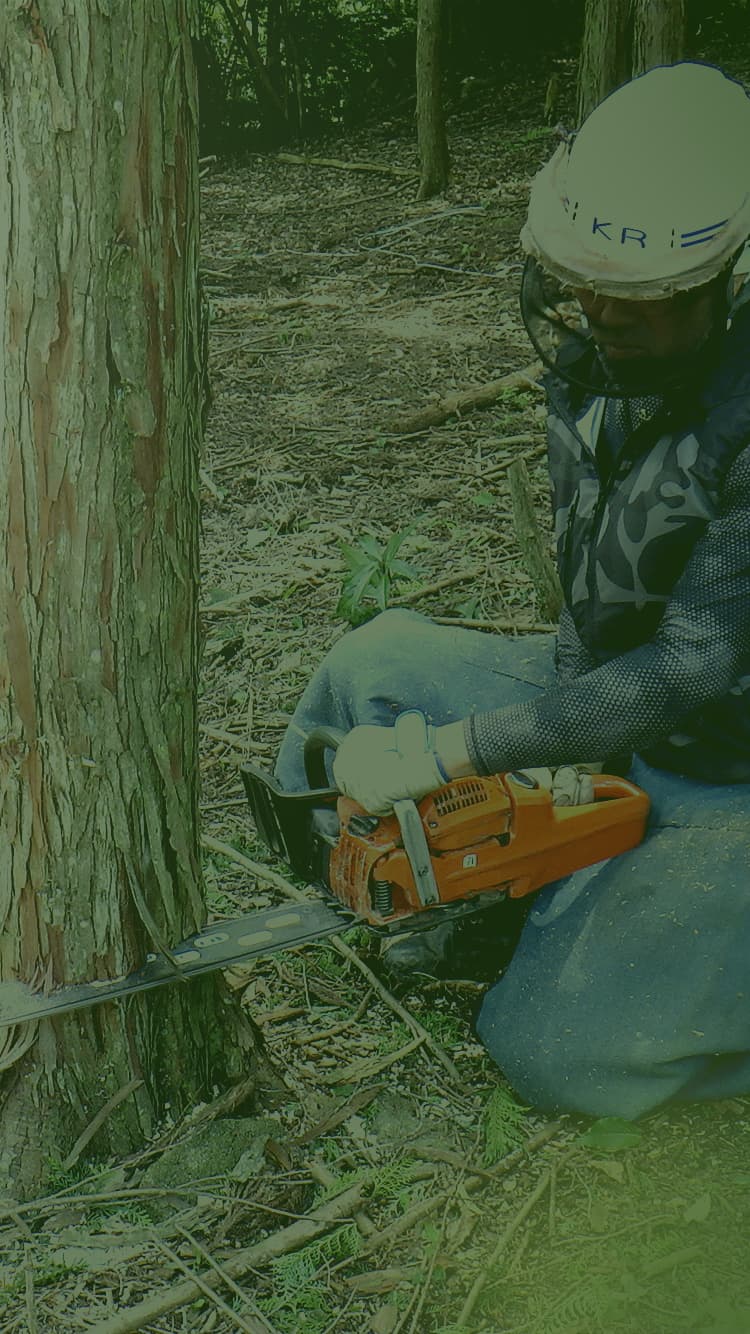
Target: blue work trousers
{"x":629,"y":986}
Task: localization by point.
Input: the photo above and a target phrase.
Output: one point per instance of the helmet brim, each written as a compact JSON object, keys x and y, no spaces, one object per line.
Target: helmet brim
{"x":549,"y":237}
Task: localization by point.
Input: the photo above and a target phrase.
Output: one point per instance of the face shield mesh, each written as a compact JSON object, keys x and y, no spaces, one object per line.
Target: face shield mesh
{"x":559,"y":332}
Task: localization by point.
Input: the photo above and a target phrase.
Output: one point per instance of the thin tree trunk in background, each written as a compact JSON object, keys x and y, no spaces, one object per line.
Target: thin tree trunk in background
{"x":293,"y":68}
{"x":100,"y":400}
{"x":270,"y":104}
{"x":433,"y":142}
{"x":659,"y":28}
{"x":273,"y":48}
{"x":605,"y":52}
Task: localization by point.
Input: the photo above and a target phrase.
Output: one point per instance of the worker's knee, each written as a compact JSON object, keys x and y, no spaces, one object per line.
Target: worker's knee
{"x":386,"y":647}
{"x":556,"y":1069}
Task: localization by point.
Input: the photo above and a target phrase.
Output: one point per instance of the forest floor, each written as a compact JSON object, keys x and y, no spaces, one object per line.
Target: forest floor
{"x":340,"y":306}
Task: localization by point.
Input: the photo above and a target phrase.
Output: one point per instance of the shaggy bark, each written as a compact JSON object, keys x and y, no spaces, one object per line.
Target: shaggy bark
{"x":658,"y":33}
{"x":623,"y":38}
{"x":100,"y":399}
{"x":605,"y":52}
{"x":433,"y":142}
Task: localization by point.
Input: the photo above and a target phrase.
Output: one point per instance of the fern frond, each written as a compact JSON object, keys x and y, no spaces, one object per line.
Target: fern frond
{"x":502,"y":1120}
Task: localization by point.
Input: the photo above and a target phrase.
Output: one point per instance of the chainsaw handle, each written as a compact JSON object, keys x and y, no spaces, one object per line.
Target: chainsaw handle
{"x":317,"y":742}
{"x":607,"y":786}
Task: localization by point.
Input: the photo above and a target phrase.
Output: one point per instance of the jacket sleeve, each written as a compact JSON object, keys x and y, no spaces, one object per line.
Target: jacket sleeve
{"x":572,"y":658}
{"x":701,"y":648}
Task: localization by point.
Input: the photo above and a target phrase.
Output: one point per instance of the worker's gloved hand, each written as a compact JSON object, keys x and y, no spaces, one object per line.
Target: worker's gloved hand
{"x":570,"y":784}
{"x":379,"y":765}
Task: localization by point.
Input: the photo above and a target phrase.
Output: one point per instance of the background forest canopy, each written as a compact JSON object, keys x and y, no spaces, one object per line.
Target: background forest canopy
{"x":280,"y":71}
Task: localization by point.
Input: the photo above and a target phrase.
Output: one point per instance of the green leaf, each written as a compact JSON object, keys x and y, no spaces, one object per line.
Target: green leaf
{"x":356,"y":584}
{"x":394,"y":542}
{"x":401,"y":569}
{"x":356,"y":558}
{"x":612,"y":1133}
{"x":484,"y":499}
{"x":371,"y":545}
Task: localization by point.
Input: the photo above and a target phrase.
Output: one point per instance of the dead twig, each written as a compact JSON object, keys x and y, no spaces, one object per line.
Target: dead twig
{"x":231,"y":739}
{"x":379,"y":1242}
{"x":32,"y":1323}
{"x":346,"y":952}
{"x":498,"y":469}
{"x":321,"y":1036}
{"x":446,"y":581}
{"x":475,"y":1291}
{"x":475,"y":623}
{"x":370,"y":1066}
{"x":208,"y":1291}
{"x":340,"y":1113}
{"x":261,"y":1323}
{"x":430,"y":1154}
{"x":424,"y":1288}
{"x":252,"y":1257}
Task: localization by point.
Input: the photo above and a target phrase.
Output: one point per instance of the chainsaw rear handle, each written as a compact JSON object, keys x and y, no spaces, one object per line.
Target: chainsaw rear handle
{"x":317,"y":743}
{"x":609,"y":786}
{"x":320,"y":739}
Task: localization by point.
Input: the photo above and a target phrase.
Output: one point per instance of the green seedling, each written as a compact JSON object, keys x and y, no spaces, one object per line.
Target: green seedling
{"x":372,"y":570}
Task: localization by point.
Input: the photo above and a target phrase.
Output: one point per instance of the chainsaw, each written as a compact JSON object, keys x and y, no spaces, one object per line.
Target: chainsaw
{"x":470,"y":843}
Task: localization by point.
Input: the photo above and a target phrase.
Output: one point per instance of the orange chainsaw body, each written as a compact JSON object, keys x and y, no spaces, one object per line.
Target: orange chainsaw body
{"x":500,"y":833}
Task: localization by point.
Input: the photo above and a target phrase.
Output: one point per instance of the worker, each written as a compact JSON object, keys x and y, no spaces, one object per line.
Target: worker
{"x":628,"y":987}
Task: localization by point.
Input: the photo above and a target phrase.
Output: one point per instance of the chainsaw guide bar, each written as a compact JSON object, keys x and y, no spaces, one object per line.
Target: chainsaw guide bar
{"x":220,"y":945}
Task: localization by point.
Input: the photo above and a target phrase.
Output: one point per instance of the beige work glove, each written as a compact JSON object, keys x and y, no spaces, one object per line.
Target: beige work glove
{"x":377,"y":766}
{"x":570,"y":784}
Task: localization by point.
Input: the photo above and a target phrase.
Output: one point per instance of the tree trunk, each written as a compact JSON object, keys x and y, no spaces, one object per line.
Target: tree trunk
{"x":270,"y":106}
{"x":658,"y":33}
{"x":605,"y":52}
{"x":100,"y":400}
{"x":274,"y":66}
{"x":624,"y":38}
{"x":433,"y":142}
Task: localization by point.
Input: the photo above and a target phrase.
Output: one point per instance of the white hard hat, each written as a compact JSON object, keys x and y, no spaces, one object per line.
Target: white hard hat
{"x":652,"y":196}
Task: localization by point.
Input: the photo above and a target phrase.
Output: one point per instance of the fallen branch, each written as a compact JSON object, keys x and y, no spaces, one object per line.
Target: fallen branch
{"x":476,"y":623}
{"x":252,"y":1257}
{"x":231,"y":739}
{"x":208,"y":1291}
{"x":340,"y":165}
{"x":467,"y":401}
{"x":446,"y":581}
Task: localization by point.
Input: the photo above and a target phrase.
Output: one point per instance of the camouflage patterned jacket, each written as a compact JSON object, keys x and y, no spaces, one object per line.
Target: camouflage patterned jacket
{"x":653,"y":540}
